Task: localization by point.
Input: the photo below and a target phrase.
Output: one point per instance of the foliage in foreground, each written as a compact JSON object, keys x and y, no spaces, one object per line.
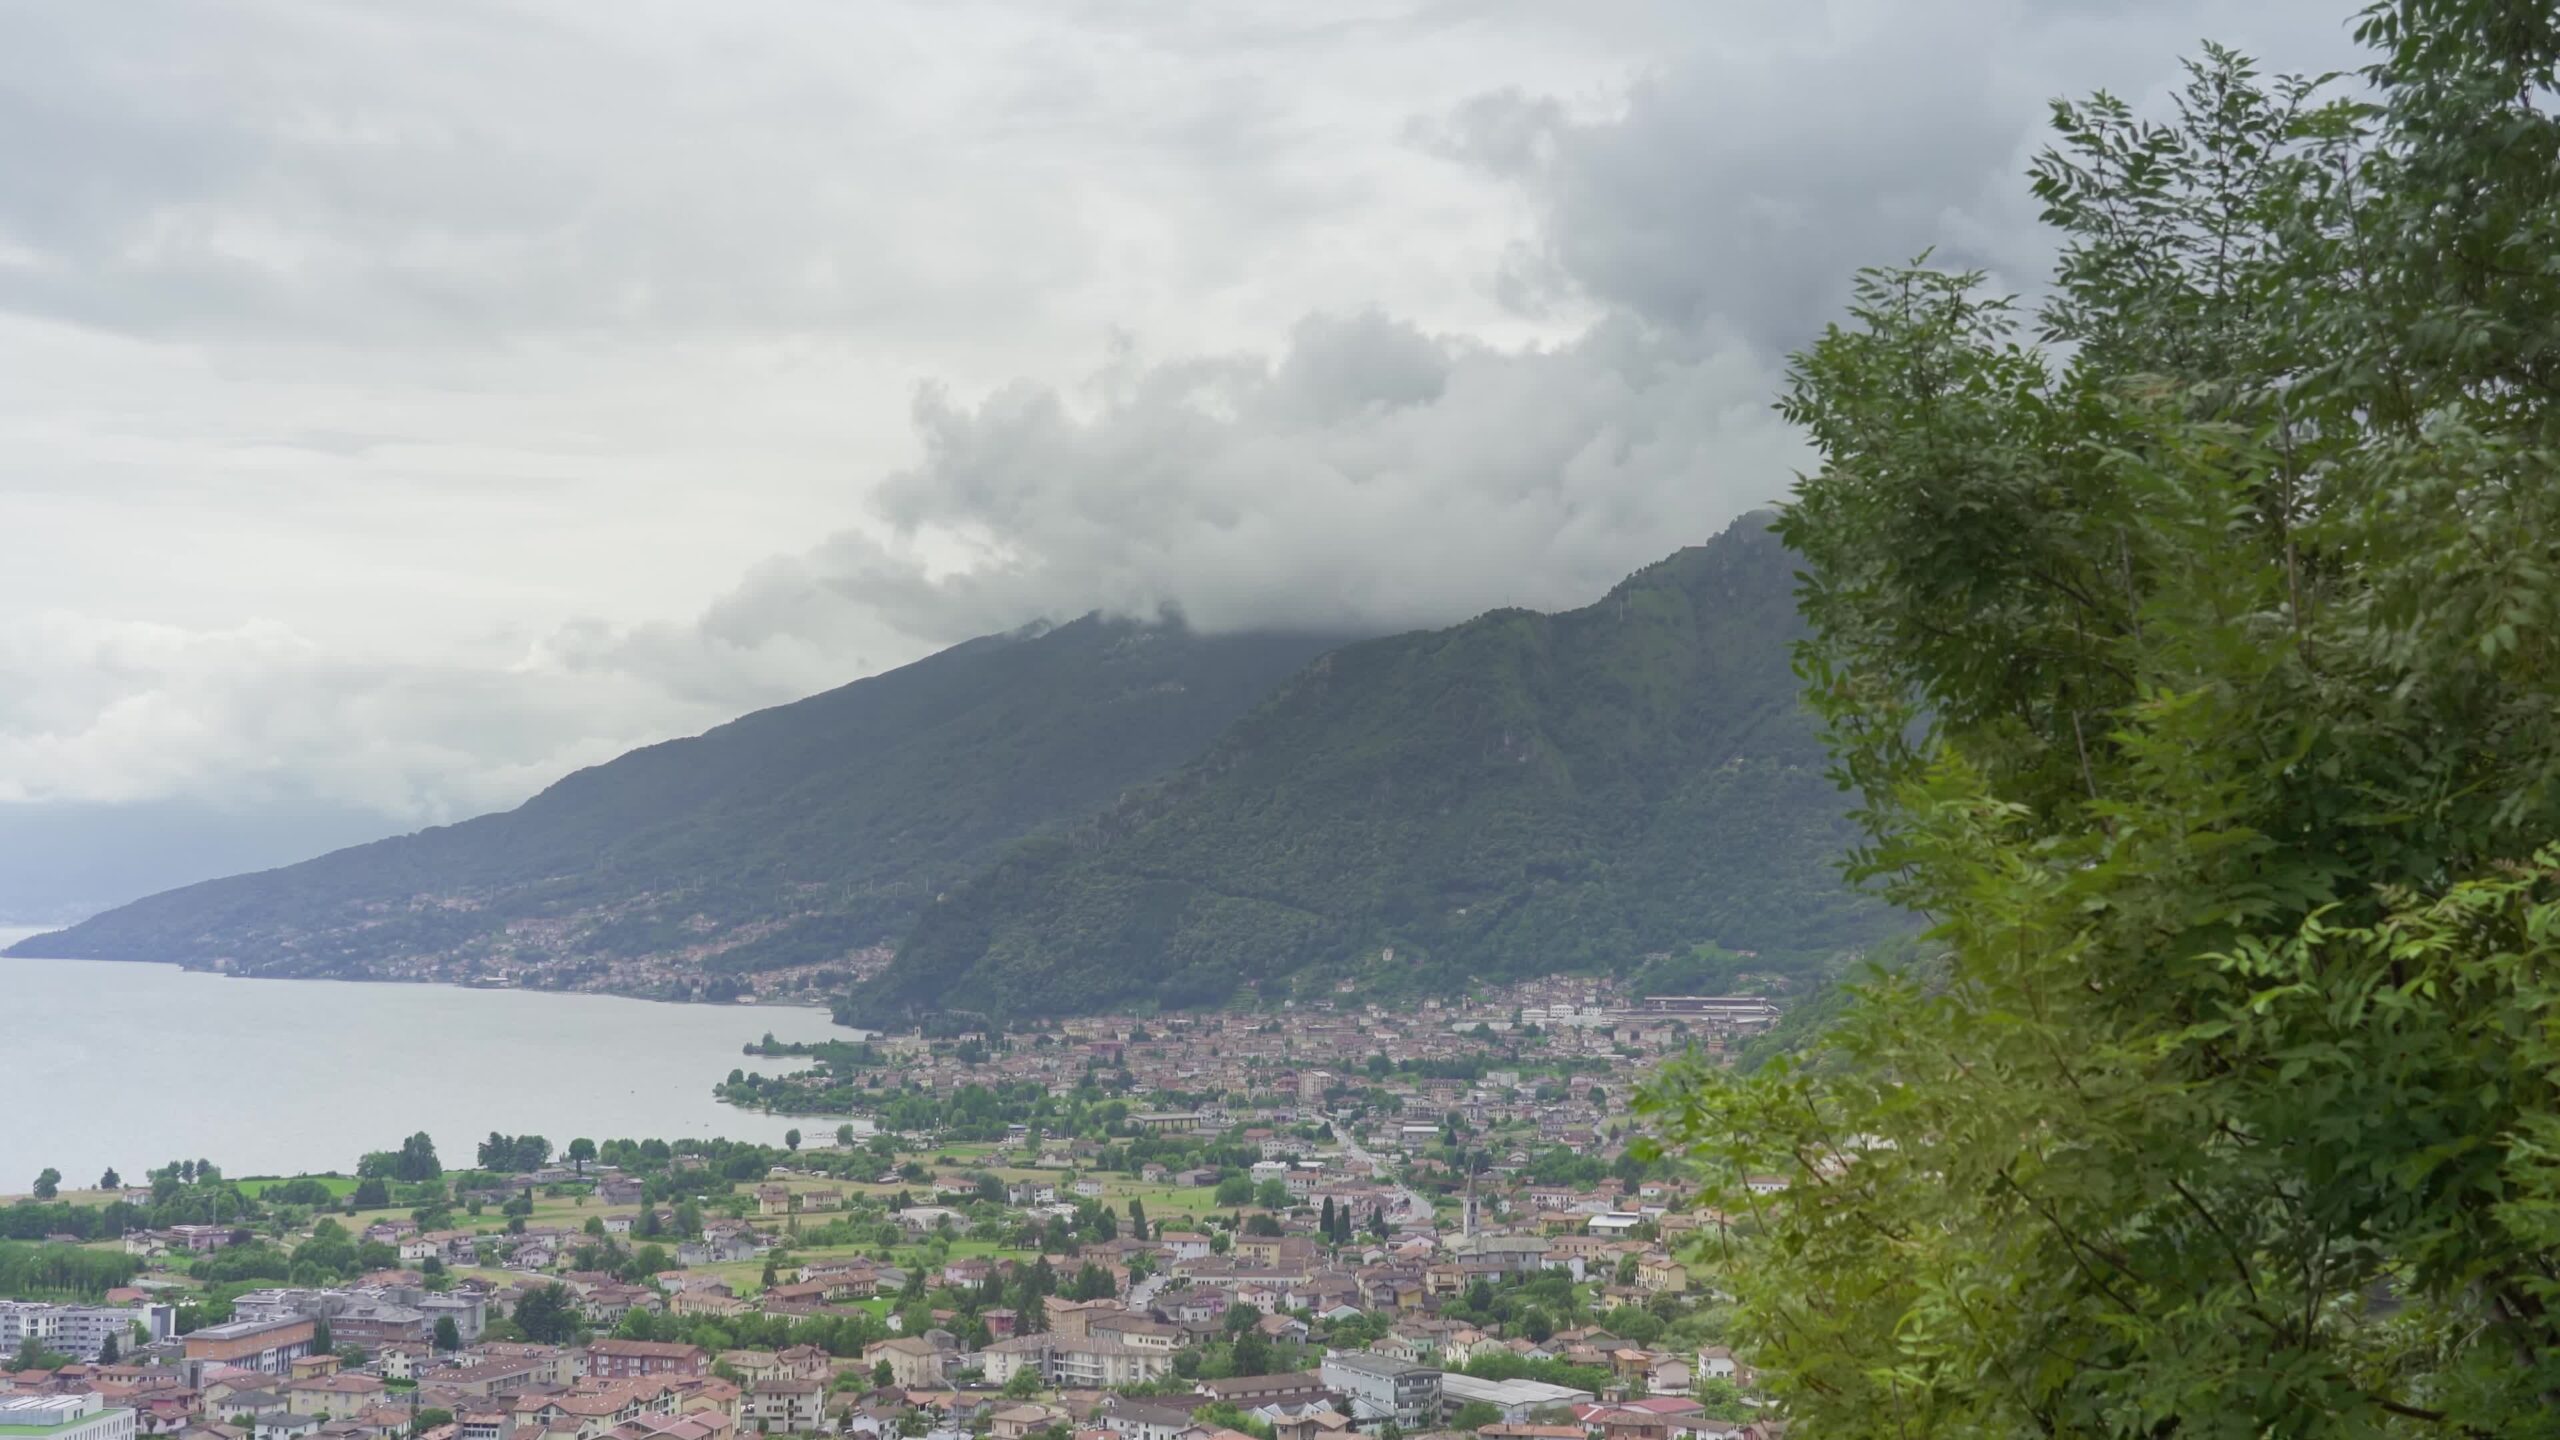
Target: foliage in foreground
{"x":2201,"y":689}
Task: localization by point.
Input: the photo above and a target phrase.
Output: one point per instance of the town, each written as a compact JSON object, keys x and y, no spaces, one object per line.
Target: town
{"x":1539,"y":1063}
{"x":1390,"y":1221}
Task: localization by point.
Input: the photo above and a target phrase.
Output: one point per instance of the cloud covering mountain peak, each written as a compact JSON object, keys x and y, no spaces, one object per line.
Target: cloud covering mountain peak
{"x":419,"y":404}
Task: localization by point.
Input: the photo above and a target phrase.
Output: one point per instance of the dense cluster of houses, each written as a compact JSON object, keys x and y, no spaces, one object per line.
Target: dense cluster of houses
{"x":258,"y":1377}
{"x":1279,"y":1087}
{"x":1275,"y":1071}
{"x":260,"y":1380}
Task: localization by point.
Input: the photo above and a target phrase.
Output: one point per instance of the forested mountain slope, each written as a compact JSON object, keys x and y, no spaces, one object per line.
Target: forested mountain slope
{"x":791,"y":836}
{"x":1520,"y":794}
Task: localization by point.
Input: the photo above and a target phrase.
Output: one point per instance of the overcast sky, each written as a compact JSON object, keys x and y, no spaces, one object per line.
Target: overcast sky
{"x":403,"y":404}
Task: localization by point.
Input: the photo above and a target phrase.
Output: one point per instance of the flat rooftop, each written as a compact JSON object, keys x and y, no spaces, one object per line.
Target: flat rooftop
{"x":44,"y":1414}
{"x":243,"y":1329}
{"x":1535,"y":1394}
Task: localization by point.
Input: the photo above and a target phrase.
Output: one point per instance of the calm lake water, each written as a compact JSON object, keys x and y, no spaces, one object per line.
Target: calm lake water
{"x":104,"y":1063}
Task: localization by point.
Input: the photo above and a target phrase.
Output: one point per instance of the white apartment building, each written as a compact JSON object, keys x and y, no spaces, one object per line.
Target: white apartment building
{"x":80,"y":1331}
{"x":64,"y":1417}
{"x":1075,"y":1364}
{"x":1381,"y":1388}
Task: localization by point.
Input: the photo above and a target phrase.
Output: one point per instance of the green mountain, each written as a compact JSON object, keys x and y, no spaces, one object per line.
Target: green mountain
{"x":1109,"y":813}
{"x":795,"y":836}
{"x":1518,"y":795}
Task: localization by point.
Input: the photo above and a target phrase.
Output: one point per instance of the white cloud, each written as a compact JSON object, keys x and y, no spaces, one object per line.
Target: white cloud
{"x":120,"y":712}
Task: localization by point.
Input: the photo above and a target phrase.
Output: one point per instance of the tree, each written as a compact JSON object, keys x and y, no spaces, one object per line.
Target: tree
{"x":429,"y":1419}
{"x":1475,"y":1415}
{"x":882,"y":1376}
{"x":48,"y":1183}
{"x":417,"y":1162}
{"x":371,"y":1194}
{"x":513,"y":1153}
{"x":108,"y":1351}
{"x":33,"y":1356}
{"x":1024,"y":1384}
{"x":322,"y":1342}
{"x":1324,"y":1219}
{"x":1723,"y":1399}
{"x":1235,"y":1190}
{"x":1252,"y":1353}
{"x":448,"y":1334}
{"x":2203,"y":689}
{"x":1226,"y":1415}
{"x":1271,"y":1195}
{"x":791,"y":1140}
{"x":110,"y":1180}
{"x":1137,"y":1218}
{"x":580,"y":1151}
{"x":1092,"y":1282}
{"x":547,"y":1314}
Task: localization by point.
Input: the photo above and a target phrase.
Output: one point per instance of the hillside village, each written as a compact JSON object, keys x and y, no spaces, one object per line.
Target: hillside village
{"x":1186,"y":1228}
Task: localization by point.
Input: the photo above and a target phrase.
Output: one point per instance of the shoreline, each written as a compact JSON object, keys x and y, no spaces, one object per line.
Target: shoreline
{"x":459,"y":1062}
{"x":732,"y":1006}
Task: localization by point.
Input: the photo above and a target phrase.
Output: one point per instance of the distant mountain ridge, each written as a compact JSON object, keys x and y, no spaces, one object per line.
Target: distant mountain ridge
{"x":795,"y":835}
{"x":1517,"y":795}
{"x":1110,"y":813}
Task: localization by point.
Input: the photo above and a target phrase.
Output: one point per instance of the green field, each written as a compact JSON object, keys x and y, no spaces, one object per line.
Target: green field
{"x":341,"y":1186}
{"x":1178,"y":1206}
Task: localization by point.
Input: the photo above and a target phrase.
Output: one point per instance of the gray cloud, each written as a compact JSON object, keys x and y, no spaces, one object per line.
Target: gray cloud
{"x":1771,"y":151}
{"x":1368,"y":475}
{"x":1707,"y":220}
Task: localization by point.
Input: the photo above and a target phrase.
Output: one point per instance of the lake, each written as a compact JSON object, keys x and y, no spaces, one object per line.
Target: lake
{"x":131,"y":1065}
